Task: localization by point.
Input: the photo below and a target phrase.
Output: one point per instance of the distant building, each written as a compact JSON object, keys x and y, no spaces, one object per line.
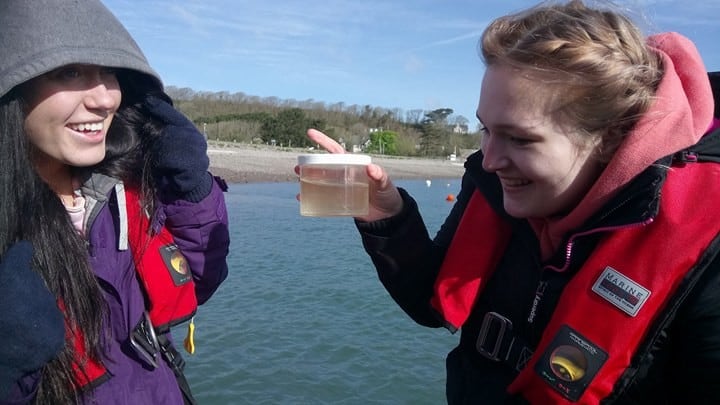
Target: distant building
{"x":460,"y":129}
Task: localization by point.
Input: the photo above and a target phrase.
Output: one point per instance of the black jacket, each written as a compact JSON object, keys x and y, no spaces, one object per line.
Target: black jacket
{"x":682,"y":364}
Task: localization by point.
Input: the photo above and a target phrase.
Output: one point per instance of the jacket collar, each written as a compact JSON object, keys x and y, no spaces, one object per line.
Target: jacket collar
{"x":96,"y":189}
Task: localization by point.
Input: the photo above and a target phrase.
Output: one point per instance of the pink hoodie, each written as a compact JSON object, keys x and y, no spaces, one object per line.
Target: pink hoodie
{"x":680,"y":116}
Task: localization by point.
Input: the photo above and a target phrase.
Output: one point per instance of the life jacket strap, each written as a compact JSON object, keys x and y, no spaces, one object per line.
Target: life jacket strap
{"x":150,"y":346}
{"x":177,"y":364}
{"x":498,"y":342}
{"x":172,"y":356}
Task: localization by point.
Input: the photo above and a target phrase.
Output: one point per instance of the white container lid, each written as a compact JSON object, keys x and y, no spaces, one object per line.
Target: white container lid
{"x":334,"y":159}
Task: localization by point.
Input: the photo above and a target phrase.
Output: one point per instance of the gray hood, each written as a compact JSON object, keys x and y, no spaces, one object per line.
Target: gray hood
{"x":37,"y":36}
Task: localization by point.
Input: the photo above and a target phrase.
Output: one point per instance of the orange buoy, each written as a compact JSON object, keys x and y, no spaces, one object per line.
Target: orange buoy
{"x":450,"y":197}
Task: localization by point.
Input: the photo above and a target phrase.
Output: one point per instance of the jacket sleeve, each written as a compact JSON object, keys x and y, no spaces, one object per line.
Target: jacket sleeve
{"x":407,"y":260}
{"x":201,"y":232}
{"x":695,"y":337}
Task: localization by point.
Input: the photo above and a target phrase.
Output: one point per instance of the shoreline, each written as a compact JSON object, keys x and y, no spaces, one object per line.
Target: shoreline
{"x":244,"y":163}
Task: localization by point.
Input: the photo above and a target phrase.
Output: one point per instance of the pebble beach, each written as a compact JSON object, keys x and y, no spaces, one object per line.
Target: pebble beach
{"x":244,"y":163}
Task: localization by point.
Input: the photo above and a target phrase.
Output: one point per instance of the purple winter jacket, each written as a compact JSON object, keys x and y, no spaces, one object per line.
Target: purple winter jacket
{"x":200,"y":231}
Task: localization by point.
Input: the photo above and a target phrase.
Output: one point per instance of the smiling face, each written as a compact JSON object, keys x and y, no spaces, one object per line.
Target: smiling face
{"x":545,"y":168}
{"x":68,"y":112}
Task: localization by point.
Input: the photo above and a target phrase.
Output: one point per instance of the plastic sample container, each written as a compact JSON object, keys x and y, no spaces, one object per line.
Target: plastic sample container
{"x":333,"y":184}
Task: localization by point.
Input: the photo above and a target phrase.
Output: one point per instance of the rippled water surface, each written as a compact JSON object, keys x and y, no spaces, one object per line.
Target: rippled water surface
{"x":302,"y":317}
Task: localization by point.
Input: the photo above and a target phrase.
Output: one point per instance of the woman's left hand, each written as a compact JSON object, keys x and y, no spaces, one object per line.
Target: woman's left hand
{"x":180,"y":160}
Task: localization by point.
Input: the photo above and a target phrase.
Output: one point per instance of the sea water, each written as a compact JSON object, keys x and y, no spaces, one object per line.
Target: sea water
{"x":302,"y":317}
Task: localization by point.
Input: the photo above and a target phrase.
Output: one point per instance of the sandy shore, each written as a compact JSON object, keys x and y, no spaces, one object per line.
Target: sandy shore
{"x":242,"y":163}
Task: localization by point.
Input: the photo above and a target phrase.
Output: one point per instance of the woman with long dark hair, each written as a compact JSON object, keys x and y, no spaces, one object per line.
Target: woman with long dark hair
{"x":106,"y":203}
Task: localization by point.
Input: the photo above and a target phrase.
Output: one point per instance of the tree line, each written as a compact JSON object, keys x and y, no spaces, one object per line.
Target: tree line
{"x":238,"y":117}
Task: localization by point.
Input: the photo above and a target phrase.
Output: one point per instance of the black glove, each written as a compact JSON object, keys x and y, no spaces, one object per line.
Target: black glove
{"x":32,"y":326}
{"x":180,"y":155}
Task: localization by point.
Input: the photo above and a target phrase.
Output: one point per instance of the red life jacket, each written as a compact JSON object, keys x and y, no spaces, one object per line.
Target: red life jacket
{"x":88,"y":372}
{"x":162,"y":268}
{"x":166,"y":280}
{"x":626,"y":282}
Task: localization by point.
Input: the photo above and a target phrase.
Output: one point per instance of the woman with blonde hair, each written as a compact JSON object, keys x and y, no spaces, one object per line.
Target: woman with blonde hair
{"x":579,"y":261}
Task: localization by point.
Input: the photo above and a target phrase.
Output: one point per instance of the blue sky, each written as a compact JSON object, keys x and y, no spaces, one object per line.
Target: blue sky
{"x":410,"y":54}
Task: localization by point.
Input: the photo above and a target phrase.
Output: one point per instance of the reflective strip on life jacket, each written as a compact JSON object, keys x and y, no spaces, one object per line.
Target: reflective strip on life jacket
{"x":654,"y":259}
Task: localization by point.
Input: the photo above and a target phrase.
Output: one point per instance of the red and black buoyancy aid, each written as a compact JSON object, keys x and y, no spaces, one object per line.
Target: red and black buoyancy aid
{"x":161,"y":267}
{"x":165,"y":278}
{"x":626,"y":282}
